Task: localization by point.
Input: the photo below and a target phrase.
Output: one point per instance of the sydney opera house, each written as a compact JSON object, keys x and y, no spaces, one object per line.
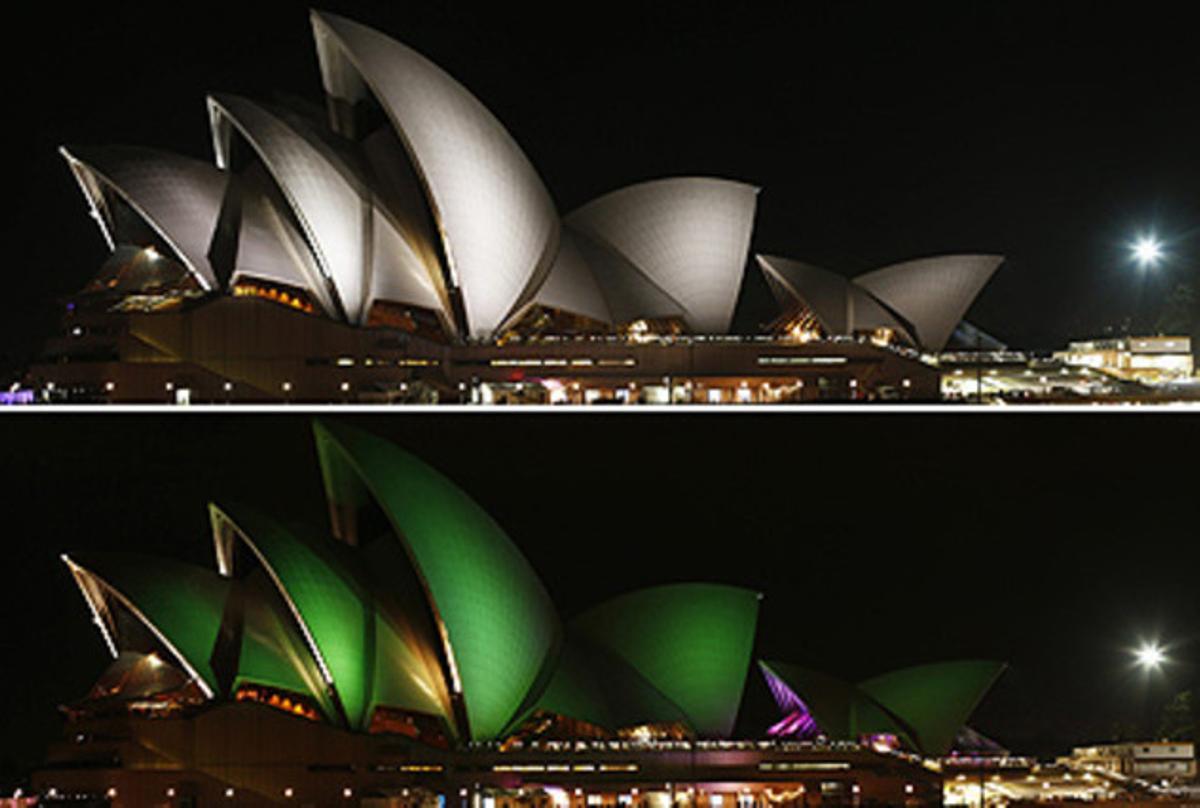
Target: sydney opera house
{"x":398,"y":245}
{"x":408,"y":654}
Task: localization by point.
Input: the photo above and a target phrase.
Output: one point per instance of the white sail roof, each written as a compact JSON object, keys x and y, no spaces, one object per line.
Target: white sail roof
{"x":689,"y":235}
{"x":178,"y":198}
{"x":331,"y":207}
{"x":498,"y":224}
{"x":933,"y":294}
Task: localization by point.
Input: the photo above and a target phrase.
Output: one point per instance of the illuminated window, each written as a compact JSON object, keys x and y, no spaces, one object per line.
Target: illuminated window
{"x":292,"y":298}
{"x":278,"y":699}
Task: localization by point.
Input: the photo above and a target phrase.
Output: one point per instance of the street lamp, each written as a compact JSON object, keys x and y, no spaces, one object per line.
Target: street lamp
{"x":1150,"y":656}
{"x":1147,"y":251}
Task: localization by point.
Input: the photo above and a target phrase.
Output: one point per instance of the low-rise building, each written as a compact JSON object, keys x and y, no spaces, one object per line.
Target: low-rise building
{"x":1155,"y":760}
{"x":1150,"y":360}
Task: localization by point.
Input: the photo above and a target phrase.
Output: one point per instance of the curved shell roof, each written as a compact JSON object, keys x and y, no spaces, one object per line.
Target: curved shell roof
{"x":338,"y":617}
{"x":270,"y":248}
{"x":692,"y":642}
{"x":925,"y":705}
{"x":827,"y":698}
{"x":689,"y":235}
{"x":332,"y":614}
{"x":498,"y":624}
{"x":571,"y":284}
{"x":933,"y":294}
{"x":824,"y":292}
{"x":839,"y":305}
{"x":178,"y":197}
{"x":594,"y":685}
{"x":328,"y":203}
{"x":498,"y":224}
{"x":397,"y":273}
{"x":936,"y":699}
{"x":179,"y":603}
{"x":272,"y":652}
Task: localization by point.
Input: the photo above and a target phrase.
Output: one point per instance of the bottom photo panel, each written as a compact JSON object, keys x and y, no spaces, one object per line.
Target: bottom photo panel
{"x":659,"y":611}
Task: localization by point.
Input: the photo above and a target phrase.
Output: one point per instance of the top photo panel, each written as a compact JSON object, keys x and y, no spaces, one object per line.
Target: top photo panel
{"x":794,"y":204}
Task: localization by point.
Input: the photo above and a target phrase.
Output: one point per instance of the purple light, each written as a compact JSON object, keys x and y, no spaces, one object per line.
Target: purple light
{"x":797,"y":720}
{"x":797,"y":724}
{"x":784,"y":696}
{"x":8,"y":397}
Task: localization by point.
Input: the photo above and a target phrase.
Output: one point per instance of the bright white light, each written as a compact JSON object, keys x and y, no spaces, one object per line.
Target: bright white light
{"x":1147,"y":251}
{"x":1150,"y":656}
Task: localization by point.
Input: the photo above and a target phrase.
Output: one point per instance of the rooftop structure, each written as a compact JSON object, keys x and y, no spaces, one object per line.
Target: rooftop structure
{"x":921,"y":301}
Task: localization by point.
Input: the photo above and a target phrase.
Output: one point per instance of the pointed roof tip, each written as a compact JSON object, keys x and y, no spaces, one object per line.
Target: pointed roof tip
{"x":221,"y":96}
{"x":999,"y":258}
{"x":1000,"y":665}
{"x":745,"y":590}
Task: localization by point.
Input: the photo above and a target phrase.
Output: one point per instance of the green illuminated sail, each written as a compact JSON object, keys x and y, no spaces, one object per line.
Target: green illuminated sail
{"x":319,"y":580}
{"x":935,"y":700}
{"x":499,"y":628}
{"x":593,"y":685}
{"x":692,"y":642}
{"x":179,"y":603}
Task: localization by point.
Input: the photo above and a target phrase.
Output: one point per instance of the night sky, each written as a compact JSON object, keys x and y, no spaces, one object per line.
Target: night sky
{"x":1052,"y":542}
{"x":1049,"y":132}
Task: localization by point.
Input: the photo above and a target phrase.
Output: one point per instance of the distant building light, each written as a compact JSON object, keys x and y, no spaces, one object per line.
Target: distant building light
{"x":347,"y":793}
{"x":287,"y":387}
{"x":228,"y":386}
{"x":110,"y":386}
{"x":345,"y":386}
{"x":229,"y":793}
{"x":288,"y":792}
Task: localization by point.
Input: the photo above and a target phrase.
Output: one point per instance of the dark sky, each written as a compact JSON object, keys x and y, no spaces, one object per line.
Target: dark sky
{"x":879,"y":131}
{"x":1052,"y":542}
